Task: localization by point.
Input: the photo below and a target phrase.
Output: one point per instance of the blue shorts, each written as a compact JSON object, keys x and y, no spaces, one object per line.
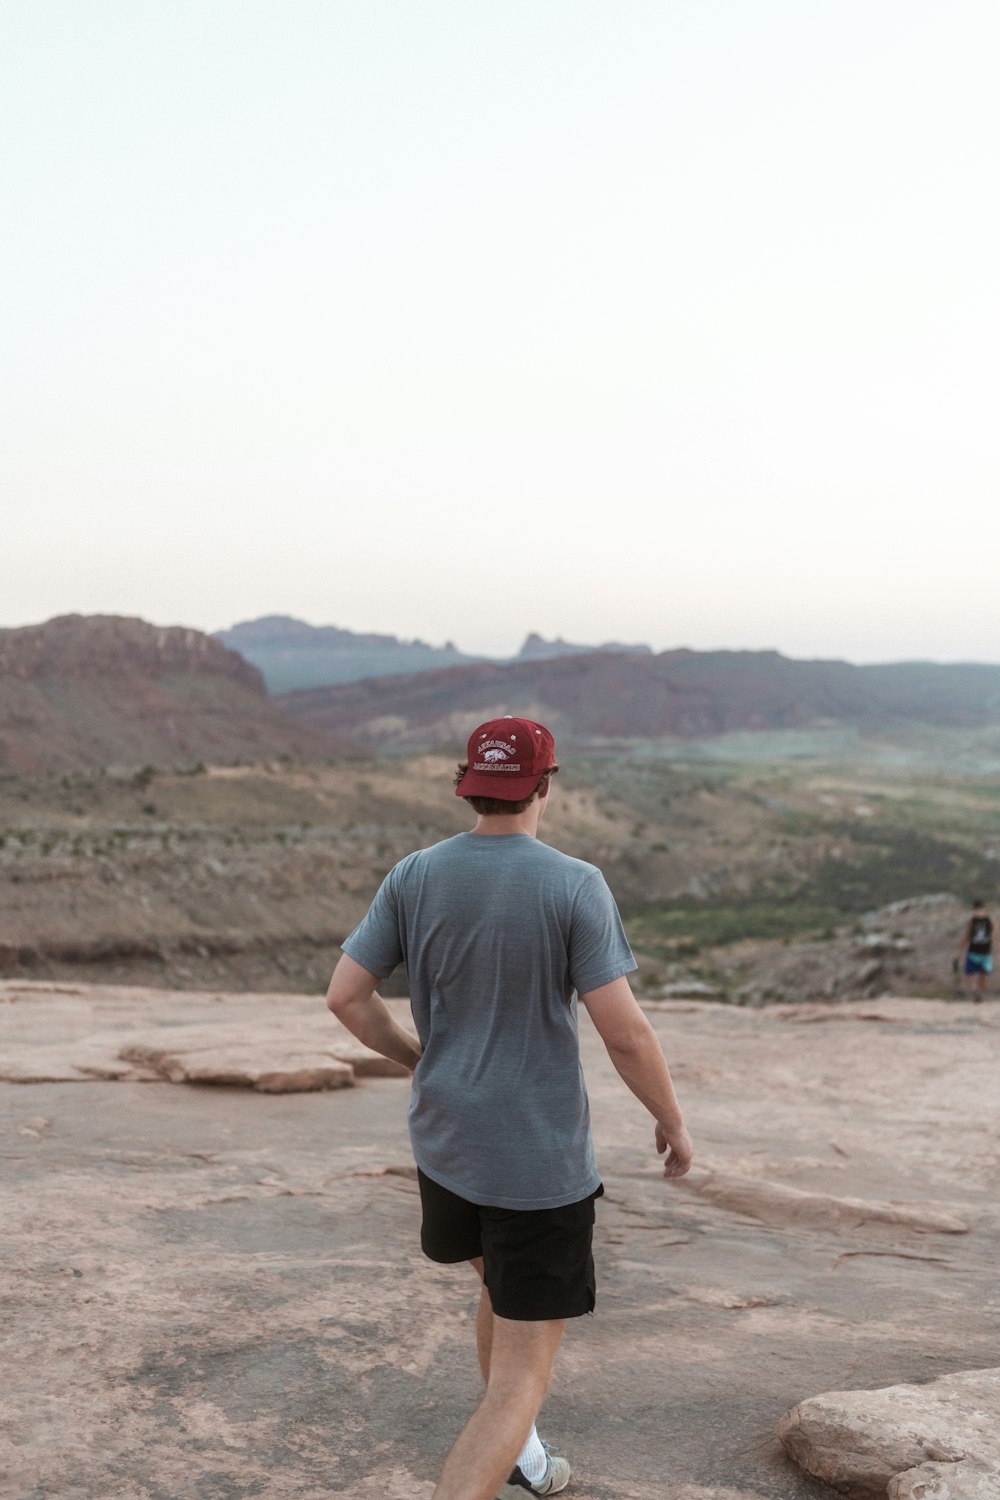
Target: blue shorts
{"x":979,"y":963}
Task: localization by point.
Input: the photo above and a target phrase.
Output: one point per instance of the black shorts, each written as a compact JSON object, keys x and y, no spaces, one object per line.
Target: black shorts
{"x":538,"y":1263}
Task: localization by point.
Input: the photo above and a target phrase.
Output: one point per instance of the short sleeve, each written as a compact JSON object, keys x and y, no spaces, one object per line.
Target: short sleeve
{"x":375,"y":942}
{"x":598,"y":948}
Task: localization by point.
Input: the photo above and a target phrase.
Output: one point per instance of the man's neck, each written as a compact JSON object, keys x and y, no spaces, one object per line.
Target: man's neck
{"x":524,"y":822}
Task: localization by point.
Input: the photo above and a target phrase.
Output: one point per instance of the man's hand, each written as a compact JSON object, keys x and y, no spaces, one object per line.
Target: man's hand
{"x":679,"y":1148}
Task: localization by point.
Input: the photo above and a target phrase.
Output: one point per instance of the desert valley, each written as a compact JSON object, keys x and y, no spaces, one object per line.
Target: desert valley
{"x":164,"y":820}
{"x":211,"y":1183}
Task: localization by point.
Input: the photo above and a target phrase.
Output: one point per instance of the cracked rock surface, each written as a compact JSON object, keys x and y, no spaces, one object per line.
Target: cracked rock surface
{"x":215,"y":1292}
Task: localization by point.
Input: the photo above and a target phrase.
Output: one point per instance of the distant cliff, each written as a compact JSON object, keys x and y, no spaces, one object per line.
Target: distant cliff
{"x":536,"y":648}
{"x":83,"y":691}
{"x":292,"y":654}
{"x":94,"y":645}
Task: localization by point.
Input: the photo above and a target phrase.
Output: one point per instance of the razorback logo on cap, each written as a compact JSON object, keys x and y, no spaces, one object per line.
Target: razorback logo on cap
{"x":506,"y":758}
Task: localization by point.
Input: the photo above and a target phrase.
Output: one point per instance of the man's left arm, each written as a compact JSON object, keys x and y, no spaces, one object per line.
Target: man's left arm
{"x":354,"y":1001}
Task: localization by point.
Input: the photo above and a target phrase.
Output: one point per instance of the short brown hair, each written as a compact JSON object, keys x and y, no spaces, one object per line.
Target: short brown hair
{"x":488,"y":807}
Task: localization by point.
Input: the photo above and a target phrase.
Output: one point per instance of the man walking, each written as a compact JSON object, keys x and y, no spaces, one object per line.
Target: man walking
{"x":975,"y":952}
{"x":501,"y":935}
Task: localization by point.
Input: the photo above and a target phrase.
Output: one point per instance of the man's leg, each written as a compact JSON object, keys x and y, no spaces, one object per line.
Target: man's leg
{"x":531,"y":1459}
{"x":520,"y":1356}
{"x":484,"y":1323}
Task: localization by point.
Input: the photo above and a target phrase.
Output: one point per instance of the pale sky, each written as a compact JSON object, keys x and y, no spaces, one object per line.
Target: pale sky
{"x":637,"y":320}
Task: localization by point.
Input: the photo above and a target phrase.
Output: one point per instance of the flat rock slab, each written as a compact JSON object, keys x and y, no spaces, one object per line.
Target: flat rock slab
{"x":273,"y":1043}
{"x":219,"y":1293}
{"x":287,"y":1061}
{"x":939,"y":1441}
{"x":269,"y":1069}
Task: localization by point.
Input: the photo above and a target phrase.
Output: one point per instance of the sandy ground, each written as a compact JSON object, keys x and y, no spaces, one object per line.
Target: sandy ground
{"x":215,"y":1293}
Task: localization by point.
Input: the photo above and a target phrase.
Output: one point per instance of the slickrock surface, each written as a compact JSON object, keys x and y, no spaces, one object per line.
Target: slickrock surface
{"x":211,"y":1292}
{"x":936,"y":1440}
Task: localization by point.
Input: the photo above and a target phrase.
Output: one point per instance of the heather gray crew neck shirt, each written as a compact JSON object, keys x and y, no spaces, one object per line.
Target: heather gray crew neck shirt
{"x":498,"y":933}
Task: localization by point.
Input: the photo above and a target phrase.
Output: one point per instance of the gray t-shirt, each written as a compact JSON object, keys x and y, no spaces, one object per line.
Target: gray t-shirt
{"x":497,"y":932}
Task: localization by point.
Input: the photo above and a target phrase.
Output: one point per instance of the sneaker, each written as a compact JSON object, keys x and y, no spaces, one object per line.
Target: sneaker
{"x":555,"y":1478}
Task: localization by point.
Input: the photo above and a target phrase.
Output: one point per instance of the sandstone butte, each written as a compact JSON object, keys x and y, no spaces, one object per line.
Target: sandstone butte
{"x":213,"y":1288}
{"x":105,"y":690}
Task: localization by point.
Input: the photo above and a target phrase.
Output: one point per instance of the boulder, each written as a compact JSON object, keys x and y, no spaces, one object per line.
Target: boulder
{"x":689,"y":989}
{"x":939,"y":1441}
{"x":882,"y":942}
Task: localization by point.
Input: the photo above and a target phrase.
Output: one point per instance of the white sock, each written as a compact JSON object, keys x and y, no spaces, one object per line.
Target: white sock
{"x":532,"y":1459}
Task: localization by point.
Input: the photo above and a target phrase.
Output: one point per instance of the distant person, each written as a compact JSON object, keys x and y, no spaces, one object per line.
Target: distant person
{"x":976,"y":950}
{"x":501,"y":935}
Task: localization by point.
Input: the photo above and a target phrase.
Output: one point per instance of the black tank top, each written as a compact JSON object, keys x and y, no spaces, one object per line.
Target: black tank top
{"x":981,"y":935}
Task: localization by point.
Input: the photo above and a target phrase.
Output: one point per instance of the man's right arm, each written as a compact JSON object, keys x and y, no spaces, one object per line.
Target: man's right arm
{"x":635,"y":1050}
{"x":355,"y":1002}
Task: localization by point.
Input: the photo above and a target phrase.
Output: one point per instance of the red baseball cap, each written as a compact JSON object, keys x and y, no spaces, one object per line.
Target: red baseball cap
{"x":506,"y":759}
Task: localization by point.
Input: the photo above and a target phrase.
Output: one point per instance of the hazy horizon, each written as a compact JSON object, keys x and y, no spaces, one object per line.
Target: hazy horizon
{"x":505,"y":654}
{"x":650,"y":323}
